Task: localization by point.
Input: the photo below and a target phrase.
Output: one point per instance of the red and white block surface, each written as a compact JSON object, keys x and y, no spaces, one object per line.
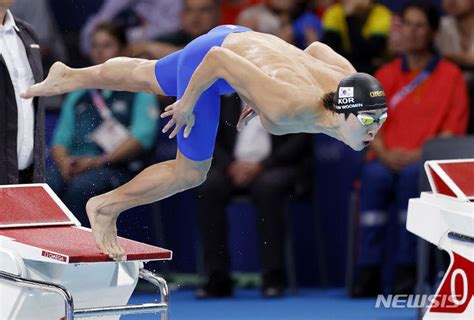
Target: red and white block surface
{"x":40,"y":239}
{"x":445,"y":217}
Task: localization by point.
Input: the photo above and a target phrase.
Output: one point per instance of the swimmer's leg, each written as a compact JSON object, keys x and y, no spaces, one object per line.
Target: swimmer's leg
{"x":199,"y":145}
{"x":117,"y":74}
{"x":156,"y":182}
{"x":166,"y":73}
{"x":163,"y":179}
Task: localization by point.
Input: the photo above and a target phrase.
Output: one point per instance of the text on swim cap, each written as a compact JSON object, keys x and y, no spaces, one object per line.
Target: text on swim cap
{"x":345,"y":100}
{"x":350,"y":106}
{"x":379,"y":93}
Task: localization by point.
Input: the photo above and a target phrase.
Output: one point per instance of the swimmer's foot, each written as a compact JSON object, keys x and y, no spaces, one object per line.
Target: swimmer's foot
{"x":247,"y":114}
{"x":104,"y":228}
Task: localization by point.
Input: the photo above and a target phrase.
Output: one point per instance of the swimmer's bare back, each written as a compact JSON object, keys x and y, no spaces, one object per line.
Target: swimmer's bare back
{"x":283,"y":61}
{"x":314,"y":71}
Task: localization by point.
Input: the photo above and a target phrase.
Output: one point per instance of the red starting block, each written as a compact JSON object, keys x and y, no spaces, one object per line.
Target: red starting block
{"x":50,"y":266}
{"x":445,"y":217}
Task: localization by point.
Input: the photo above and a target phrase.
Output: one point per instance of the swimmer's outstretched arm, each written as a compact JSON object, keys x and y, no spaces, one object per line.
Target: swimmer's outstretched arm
{"x":273,"y":98}
{"x":119,"y":74}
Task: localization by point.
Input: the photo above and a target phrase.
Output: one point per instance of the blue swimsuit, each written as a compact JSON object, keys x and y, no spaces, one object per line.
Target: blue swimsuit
{"x":173,"y":73}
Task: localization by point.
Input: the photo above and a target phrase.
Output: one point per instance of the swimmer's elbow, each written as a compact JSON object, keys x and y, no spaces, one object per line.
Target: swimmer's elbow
{"x":277,"y":117}
{"x":227,"y":65}
{"x":284,"y":107}
{"x":215,"y":59}
{"x":277,"y":132}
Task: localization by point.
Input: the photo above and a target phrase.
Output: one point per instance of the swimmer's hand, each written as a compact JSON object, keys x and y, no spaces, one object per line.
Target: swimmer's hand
{"x":54,"y":84}
{"x":247,"y":114}
{"x":180,"y":116}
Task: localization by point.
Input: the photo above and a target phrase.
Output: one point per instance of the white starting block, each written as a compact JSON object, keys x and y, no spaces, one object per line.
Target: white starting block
{"x":445,"y":217}
{"x":50,"y":267}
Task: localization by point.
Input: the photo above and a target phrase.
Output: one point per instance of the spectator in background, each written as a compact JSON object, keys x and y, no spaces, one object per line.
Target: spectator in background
{"x":38,"y":14}
{"x":269,"y":169}
{"x":426,"y":97}
{"x":287,"y":19}
{"x":320,"y":6}
{"x":197,"y":18}
{"x":394,"y":42}
{"x":455,"y":41}
{"x":260,"y":18}
{"x":358,"y":30}
{"x":88,"y":119}
{"x":152,"y":18}
{"x":230,"y":9}
{"x":22,"y":150}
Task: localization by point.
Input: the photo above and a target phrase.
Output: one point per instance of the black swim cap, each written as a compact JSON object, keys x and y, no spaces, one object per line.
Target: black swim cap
{"x":359,"y":92}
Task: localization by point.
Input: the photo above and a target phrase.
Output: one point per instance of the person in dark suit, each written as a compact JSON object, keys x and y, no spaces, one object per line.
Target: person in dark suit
{"x":22,"y":149}
{"x":266,"y":167}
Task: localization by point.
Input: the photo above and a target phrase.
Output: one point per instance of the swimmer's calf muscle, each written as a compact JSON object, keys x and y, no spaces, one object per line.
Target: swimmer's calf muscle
{"x":118,"y":74}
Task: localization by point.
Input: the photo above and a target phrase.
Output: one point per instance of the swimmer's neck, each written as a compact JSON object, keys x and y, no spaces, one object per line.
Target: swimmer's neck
{"x":328,"y":123}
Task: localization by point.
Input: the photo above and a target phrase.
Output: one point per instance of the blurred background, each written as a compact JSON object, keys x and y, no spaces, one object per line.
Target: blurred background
{"x":302,"y":218}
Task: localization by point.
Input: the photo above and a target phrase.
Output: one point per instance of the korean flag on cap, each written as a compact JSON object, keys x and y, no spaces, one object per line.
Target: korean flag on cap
{"x":346,"y":92}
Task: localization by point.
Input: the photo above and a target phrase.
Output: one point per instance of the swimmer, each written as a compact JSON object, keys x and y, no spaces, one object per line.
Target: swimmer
{"x":291,"y":90}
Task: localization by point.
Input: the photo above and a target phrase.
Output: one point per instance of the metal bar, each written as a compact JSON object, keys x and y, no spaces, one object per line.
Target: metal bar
{"x":460,"y":237}
{"x":123,"y":310}
{"x":162,"y":286}
{"x":40,"y":285}
{"x":162,"y":307}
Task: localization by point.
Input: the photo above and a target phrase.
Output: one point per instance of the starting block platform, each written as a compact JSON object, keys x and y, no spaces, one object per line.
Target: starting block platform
{"x":51,"y":268}
{"x":445,"y":217}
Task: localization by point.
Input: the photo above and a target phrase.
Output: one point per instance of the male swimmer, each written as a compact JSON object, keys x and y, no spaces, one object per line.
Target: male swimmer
{"x":291,"y":90}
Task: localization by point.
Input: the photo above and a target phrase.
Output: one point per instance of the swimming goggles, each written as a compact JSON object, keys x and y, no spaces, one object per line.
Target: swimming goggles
{"x":367,"y":120}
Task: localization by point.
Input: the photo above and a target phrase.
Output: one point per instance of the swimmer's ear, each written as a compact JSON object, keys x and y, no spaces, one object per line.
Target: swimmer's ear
{"x":328,"y":100}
